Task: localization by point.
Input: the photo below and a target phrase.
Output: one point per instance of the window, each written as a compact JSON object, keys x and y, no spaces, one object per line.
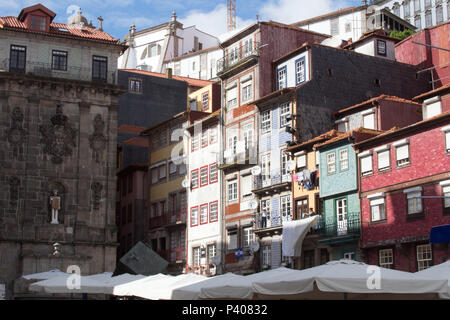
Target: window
{"x":349,"y":255}
{"x":446,"y":195}
{"x":284,"y":161}
{"x":282,"y":78}
{"x":232,"y":240}
{"x":417,"y":22}
{"x":406,"y":9}
{"x":427,"y":3}
{"x":342,"y":125}
{"x":154,"y":50}
{"x":381,"y":48}
{"x":124,"y":215}
{"x":334,"y":27}
{"x":348,"y":27}
{"x":331,"y":163}
{"x":194,"y":179}
{"x":130,"y":213}
{"x":366,"y":165}
{"x":402,"y":154}
{"x":343,"y":159}
{"x":265,"y":165}
{"x":154,"y":175}
{"x":172,"y":168}
{"x":285,"y":206}
{"x":204,"y":213}
{"x":417,"y":5}
{"x":432,"y":109}
{"x":386,"y":258}
{"x":301,"y":162}
{"x":193,"y":66}
{"x":194,"y":216}
{"x":377,"y":212}
{"x":99,"y":68}
{"x":285,"y":111}
{"x":212,"y":134}
{"x":213,"y":211}
{"x":213,"y":176}
{"x":369,"y":121}
{"x":194,"y":142}
{"x":247,"y":236}
{"x":414,"y":202}
{"x":248,"y":47}
{"x":203,"y":176}
{"x":384,"y":160}
{"x":428,"y":21}
{"x":246,"y":187}
{"x":447,"y":141}
{"x":59,"y":60}
{"x":265,"y":121}
{"x":204,"y":138}
{"x":193,"y":104}
{"x":135,"y":86}
{"x":162,"y":172}
{"x":17,"y":58}
{"x":396,"y":10}
{"x":424,"y":256}
{"x":234,"y":55}
{"x":196,"y":256}
{"x":232,"y":98}
{"x":205,"y":101}
{"x":265,"y":204}
{"x":177,"y":69}
{"x":300,"y":73}
{"x":440,"y":14}
{"x":248,"y":135}
{"x":247,"y":93}
{"x":232,"y":190}
{"x":211,"y":252}
{"x":38,"y":23}
{"x":266,"y":257}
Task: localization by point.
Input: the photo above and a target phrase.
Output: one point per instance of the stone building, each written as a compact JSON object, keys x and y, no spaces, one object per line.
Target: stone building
{"x":58,"y":129}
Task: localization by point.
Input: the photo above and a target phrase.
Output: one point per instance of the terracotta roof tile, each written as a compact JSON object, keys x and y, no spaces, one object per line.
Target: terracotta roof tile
{"x":131,"y":128}
{"x":432,"y":92}
{"x":346,"y":135}
{"x":191,"y":81}
{"x":13,"y":23}
{"x":324,"y":136}
{"x":136,"y":141}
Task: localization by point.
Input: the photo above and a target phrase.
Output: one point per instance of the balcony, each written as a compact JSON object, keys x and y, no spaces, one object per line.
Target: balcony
{"x":176,"y":255}
{"x":232,"y":159}
{"x":157,"y":221}
{"x":175,"y":218}
{"x":264,"y":184}
{"x":271,"y":222}
{"x":238,"y":59}
{"x":333,"y":231}
{"x":45,"y":70}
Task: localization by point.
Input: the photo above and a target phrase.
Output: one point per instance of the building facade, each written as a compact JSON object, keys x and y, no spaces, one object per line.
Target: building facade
{"x":59,"y":104}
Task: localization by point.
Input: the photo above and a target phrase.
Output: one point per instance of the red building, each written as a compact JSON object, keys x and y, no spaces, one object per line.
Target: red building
{"x":401,"y":192}
{"x":435,"y":102}
{"x":427,"y":55}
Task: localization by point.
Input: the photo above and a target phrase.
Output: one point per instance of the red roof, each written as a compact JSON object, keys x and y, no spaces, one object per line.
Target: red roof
{"x":361,"y":132}
{"x":136,"y":141}
{"x":13,"y":23}
{"x":130,"y":128}
{"x":191,"y":81}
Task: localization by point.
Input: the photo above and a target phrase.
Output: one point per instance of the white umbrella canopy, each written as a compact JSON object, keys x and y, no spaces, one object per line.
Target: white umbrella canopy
{"x":112,"y":282}
{"x":226,"y":286}
{"x":349,"y":276}
{"x":44,"y":275}
{"x":440,"y":271}
{"x":130,"y":288}
{"x":162,"y":289}
{"x":69,"y":284}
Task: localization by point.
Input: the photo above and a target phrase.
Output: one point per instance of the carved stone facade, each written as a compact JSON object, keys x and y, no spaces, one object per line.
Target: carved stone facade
{"x":59,"y":135}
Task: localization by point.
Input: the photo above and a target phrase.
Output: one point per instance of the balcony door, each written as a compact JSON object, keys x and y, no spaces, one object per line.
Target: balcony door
{"x":17,"y":59}
{"x":301,"y":207}
{"x":341,"y":213}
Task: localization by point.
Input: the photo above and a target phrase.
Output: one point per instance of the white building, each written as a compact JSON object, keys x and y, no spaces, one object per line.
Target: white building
{"x":149,"y":48}
{"x":200,"y":64}
{"x":204,"y":223}
{"x":353,"y":23}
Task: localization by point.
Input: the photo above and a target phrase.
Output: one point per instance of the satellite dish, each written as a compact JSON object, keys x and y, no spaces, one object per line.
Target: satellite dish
{"x":256,"y":170}
{"x":215,"y":260}
{"x":185,"y":183}
{"x":253,"y":204}
{"x":254,"y":246}
{"x":290,"y":165}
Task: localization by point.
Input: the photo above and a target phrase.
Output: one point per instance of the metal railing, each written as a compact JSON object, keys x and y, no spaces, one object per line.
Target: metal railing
{"x":177,"y":216}
{"x":270,"y":221}
{"x":348,"y":226}
{"x":176,"y":254}
{"x":157,"y":221}
{"x":263,"y":181}
{"x":236,"y":56}
{"x":45,"y":70}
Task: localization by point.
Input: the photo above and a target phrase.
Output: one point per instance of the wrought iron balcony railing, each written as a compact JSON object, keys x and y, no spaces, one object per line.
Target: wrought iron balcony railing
{"x":236,"y":56}
{"x":264,"y":181}
{"x":349,"y":225}
{"x":46,"y":70}
{"x":176,"y":217}
{"x":270,"y":221}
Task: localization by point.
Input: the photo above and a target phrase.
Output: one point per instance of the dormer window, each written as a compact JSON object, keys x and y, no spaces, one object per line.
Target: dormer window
{"x":38,"y":23}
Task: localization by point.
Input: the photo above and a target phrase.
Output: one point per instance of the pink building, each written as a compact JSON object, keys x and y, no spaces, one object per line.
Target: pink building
{"x":405,"y":178}
{"x":427,"y":55}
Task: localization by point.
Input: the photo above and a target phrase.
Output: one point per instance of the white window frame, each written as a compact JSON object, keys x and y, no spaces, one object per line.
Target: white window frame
{"x":366,"y":160}
{"x":213,"y":173}
{"x":300,"y":71}
{"x":285,"y":206}
{"x":343,"y":162}
{"x":247,"y":91}
{"x":266,"y":255}
{"x":384,"y":152}
{"x":212,"y":134}
{"x":204,"y":176}
{"x":194,"y":216}
{"x":232,"y":239}
{"x":423,"y":260}
{"x":378,"y":203}
{"x":204,"y":213}
{"x":331,"y":163}
{"x":232,"y":190}
{"x":247,"y":236}
{"x":369,"y":116}
{"x":446,"y":131}
{"x":386,"y":258}
{"x":403,"y":161}
{"x":282,"y":78}
{"x":196,"y":256}
{"x":204,"y":138}
{"x":302,"y":161}
{"x":265,"y":165}
{"x":205,"y":101}
{"x":266,"y":123}
{"x":285,"y":111}
{"x":216,"y":211}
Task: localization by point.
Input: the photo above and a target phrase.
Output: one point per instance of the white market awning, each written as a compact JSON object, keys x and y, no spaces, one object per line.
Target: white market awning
{"x":440,"y":271}
{"x":294,"y":232}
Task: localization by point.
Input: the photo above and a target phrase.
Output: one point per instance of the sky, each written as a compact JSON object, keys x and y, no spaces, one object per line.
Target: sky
{"x":207,"y":15}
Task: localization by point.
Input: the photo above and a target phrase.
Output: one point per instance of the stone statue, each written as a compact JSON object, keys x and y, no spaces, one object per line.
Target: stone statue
{"x":55,"y":203}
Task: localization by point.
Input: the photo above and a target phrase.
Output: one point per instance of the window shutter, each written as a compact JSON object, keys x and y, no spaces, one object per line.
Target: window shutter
{"x":432,"y":109}
{"x":247,"y":185}
{"x":376,"y":202}
{"x":383,"y":159}
{"x":162,"y":171}
{"x":369,"y":121}
{"x":447,"y":140}
{"x":402,"y":152}
{"x":301,"y":161}
{"x":366,"y":164}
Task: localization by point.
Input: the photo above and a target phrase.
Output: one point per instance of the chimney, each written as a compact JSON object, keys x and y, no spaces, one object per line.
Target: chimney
{"x":169,"y":73}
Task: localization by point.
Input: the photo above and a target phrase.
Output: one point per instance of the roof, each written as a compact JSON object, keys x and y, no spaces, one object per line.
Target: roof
{"x":420,"y":32}
{"x":188,"y":113}
{"x":347,"y":135}
{"x":206,"y":118}
{"x":274,"y":94}
{"x":189,"y":54}
{"x":378,"y":33}
{"x":324,"y":136}
{"x":370,"y":102}
{"x":327,"y":15}
{"x":130,"y":128}
{"x":88,"y":33}
{"x":434,"y":92}
{"x":191,"y":81}
{"x":396,"y":133}
{"x":292,"y":27}
{"x":24,"y":12}
{"x":137,"y":141}
{"x":305,"y":45}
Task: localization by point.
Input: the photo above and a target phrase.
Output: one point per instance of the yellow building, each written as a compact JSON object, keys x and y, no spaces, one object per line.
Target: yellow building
{"x":206,"y":99}
{"x":305,"y":191}
{"x":167,"y":206}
